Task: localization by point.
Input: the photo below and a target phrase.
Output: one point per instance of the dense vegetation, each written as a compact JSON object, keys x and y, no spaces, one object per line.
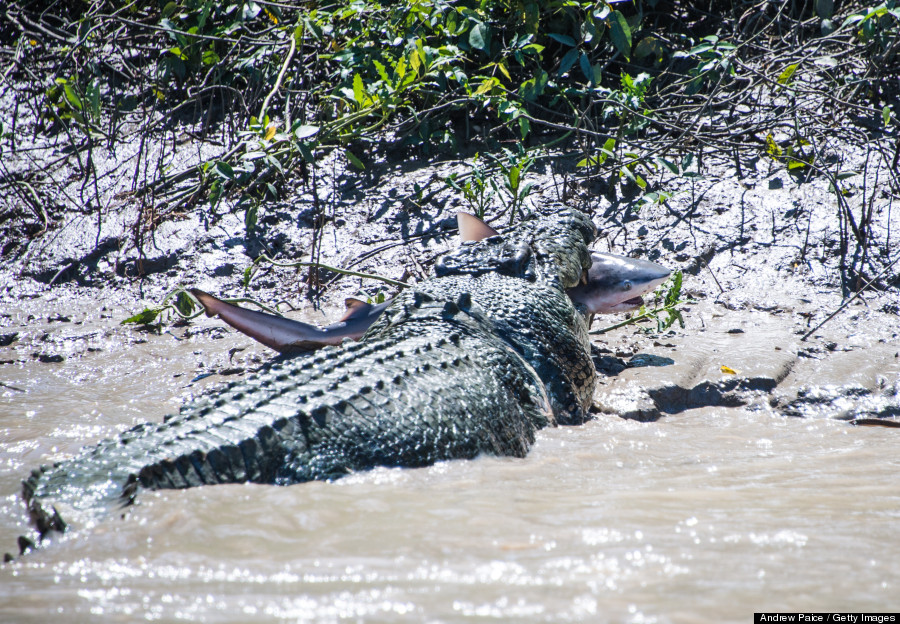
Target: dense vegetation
{"x":263,"y":91}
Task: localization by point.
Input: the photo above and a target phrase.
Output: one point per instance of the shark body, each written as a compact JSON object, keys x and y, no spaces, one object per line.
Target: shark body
{"x":613,"y":284}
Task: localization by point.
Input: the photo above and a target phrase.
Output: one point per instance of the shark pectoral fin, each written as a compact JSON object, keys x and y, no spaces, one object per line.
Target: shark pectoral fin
{"x":471,"y":228}
{"x":355,"y":309}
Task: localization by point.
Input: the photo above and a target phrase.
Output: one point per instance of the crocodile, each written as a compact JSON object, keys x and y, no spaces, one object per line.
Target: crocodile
{"x":474,"y":360}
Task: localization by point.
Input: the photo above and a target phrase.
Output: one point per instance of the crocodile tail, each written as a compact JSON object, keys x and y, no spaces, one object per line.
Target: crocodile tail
{"x":186,"y":451}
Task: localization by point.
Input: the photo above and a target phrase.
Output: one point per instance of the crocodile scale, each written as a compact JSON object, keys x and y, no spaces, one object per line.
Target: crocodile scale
{"x":473,"y":360}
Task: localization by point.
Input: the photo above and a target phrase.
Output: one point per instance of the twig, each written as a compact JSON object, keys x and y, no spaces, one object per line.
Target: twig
{"x":287,"y":61}
{"x":319,"y":265}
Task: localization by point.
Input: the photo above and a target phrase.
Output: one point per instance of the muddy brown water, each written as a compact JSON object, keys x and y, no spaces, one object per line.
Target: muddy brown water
{"x":703,"y":515}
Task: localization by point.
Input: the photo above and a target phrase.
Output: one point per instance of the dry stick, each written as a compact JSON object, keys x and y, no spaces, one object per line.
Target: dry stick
{"x":848,"y":301}
{"x":319,"y":265}
{"x":721,"y":290}
{"x":287,"y":61}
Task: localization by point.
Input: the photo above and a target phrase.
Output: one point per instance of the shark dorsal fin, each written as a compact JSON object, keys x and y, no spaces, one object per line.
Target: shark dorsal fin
{"x":471,"y":228}
{"x":355,"y":309}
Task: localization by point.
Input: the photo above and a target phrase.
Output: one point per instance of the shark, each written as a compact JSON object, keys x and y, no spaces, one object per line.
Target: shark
{"x":613,"y":284}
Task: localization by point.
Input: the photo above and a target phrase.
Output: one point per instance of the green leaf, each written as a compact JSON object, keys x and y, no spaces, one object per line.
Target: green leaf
{"x":502,"y":67}
{"x":514,"y":178}
{"x":415,"y":61}
{"x":785,"y":77}
{"x":487,"y":86}
{"x":694,"y":86}
{"x":72,"y":97}
{"x":567,"y":61}
{"x":856,"y":17}
{"x":772,"y":148}
{"x":184,"y":304}
{"x":564,"y":39}
{"x":306,"y":152}
{"x":250,"y":217}
{"x":480,"y":37}
{"x":250,"y":10}
{"x":824,"y":8}
{"x":224,"y":170}
{"x":886,"y":114}
{"x":382,"y":71}
{"x":359,"y":90}
{"x":356,"y":162}
{"x":144,"y":317}
{"x":586,"y":68}
{"x":534,"y":88}
{"x":668,"y":165}
{"x":215,"y":193}
{"x":210,"y":57}
{"x":93,"y":93}
{"x":304,"y":132}
{"x":647,"y":46}
{"x":674,"y":291}
{"x":620,"y":33}
{"x":248,"y":275}
{"x":275,"y":163}
{"x":400,"y":70}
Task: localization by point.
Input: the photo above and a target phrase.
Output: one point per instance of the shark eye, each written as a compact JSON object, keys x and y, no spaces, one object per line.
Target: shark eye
{"x":626,"y":285}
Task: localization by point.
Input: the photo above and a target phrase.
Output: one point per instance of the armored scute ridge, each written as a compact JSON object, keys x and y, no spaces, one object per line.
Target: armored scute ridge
{"x":473,"y":360}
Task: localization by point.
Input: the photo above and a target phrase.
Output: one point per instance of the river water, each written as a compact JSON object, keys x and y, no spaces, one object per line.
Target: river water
{"x":707,"y":515}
